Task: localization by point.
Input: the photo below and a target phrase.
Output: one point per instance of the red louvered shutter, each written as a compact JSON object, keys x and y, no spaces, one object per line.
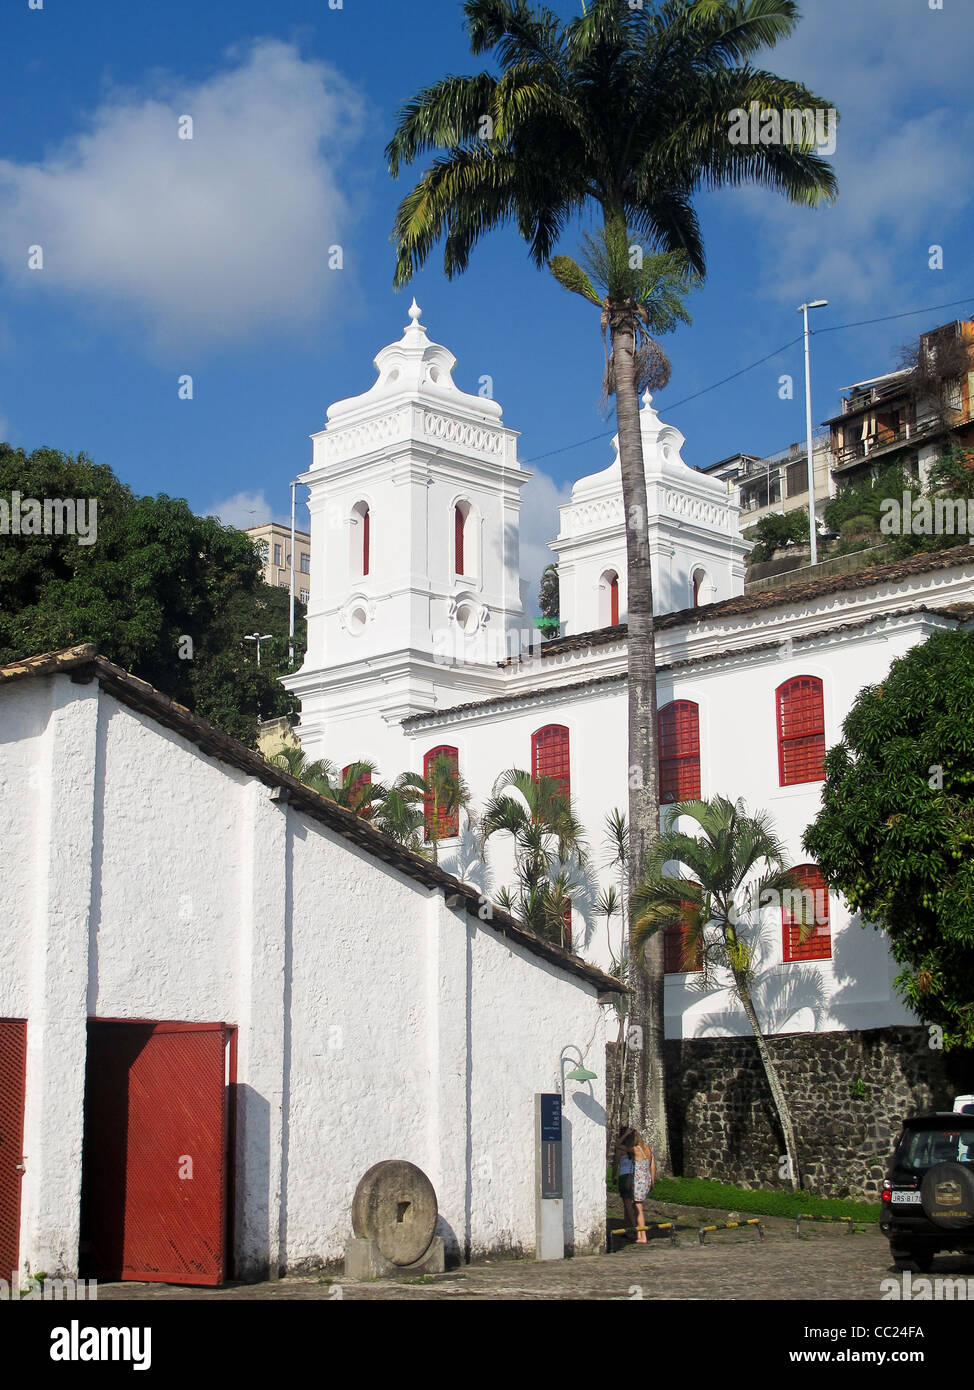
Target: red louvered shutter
{"x":550,"y":756}
{"x":679,"y":752}
{"x":448,"y":825}
{"x":614,"y":601}
{"x":674,"y":949}
{"x":458,"y":540}
{"x":13,"y":1073}
{"x":364,"y":779}
{"x":808,"y":901}
{"x":800,"y":715}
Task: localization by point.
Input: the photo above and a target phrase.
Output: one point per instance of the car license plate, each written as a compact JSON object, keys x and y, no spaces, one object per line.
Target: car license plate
{"x":909,"y":1195}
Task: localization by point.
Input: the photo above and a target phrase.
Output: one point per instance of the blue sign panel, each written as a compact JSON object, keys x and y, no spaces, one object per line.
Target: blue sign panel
{"x":551,"y":1119}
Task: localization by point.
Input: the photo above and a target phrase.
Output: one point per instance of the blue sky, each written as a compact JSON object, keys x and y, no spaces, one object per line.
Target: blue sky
{"x":210,"y":256}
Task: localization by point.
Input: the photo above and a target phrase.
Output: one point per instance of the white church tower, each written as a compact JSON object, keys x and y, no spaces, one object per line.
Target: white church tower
{"x":414,"y":502}
{"x":696,"y":549}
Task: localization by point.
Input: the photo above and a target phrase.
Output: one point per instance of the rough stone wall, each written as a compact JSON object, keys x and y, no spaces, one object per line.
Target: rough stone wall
{"x":848,"y":1093}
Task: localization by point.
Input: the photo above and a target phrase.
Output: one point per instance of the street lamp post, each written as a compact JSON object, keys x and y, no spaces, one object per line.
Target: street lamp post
{"x":290,"y":631}
{"x":813,"y":539}
{"x":258,"y":637}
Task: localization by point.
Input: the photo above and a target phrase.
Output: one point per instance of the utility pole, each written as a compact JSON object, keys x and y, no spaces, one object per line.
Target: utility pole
{"x":290,"y":642}
{"x":812,"y":536}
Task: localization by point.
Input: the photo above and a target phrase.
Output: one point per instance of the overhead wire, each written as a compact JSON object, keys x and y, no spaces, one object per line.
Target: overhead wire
{"x":834,"y":328}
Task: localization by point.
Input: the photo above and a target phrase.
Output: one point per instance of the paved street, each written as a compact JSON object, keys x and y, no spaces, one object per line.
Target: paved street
{"x":826,"y":1264}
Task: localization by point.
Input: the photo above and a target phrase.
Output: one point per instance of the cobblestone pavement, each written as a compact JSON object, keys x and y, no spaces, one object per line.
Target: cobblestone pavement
{"x":827,"y":1263}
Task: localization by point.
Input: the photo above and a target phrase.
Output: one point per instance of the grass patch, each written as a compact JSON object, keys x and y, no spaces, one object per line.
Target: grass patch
{"x":701,"y":1192}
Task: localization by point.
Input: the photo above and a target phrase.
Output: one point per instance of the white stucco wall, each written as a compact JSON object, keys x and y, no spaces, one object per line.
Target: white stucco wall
{"x":152,"y":881}
{"x":739,"y":758}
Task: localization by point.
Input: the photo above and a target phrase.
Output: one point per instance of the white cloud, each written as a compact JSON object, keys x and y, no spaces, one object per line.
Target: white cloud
{"x":204,"y":240}
{"x":246,"y":509}
{"x":898,"y":73}
{"x":540,"y":500}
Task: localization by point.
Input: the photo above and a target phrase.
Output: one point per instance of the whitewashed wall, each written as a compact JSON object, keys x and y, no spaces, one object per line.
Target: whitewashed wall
{"x":147,"y":880}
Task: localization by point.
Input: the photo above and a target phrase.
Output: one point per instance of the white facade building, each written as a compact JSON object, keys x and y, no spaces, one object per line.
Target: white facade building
{"x":433,"y":660}
{"x":161,"y":877}
{"x":696,"y":549}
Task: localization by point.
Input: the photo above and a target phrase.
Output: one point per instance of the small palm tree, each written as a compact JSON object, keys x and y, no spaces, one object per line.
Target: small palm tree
{"x":318,"y":775}
{"x":736,"y":868}
{"x":548,"y":847}
{"x":445,"y":794}
{"x":356,"y":790}
{"x":399,"y":812}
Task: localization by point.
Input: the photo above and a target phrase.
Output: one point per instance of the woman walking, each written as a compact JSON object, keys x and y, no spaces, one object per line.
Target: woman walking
{"x":624,"y":1165}
{"x":644,"y":1177}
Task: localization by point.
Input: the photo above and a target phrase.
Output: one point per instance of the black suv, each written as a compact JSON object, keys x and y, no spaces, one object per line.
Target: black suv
{"x":928,"y":1195}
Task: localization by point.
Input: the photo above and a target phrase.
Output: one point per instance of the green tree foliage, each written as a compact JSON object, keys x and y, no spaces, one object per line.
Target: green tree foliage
{"x":896,"y":831}
{"x":164,"y":593}
{"x":548,"y":601}
{"x":549,"y":848}
{"x":777,"y":530}
{"x":856,"y":512}
{"x":863,"y":501}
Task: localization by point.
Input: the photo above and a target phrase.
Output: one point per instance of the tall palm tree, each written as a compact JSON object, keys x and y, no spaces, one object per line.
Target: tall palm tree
{"x":549,"y":846}
{"x":610,"y":903}
{"x":625,"y":111}
{"x":735,"y":869}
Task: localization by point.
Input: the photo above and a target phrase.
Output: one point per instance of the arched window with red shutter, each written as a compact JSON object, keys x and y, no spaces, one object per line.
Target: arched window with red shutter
{"x":449,"y":823}
{"x":800,"y":721}
{"x":458,"y":524}
{"x":679,"y":752}
{"x":359,"y":555}
{"x":806,"y":904}
{"x":609,"y":599}
{"x":550,"y":755}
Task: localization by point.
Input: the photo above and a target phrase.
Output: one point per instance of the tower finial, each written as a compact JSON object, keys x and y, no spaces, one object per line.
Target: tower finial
{"x":647,"y":397}
{"x":414,"y":311}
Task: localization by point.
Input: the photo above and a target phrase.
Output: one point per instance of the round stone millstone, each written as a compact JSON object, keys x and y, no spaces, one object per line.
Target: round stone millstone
{"x":395,"y":1206}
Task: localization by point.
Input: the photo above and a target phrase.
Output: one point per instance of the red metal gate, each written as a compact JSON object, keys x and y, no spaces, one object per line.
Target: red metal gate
{"x":155,"y":1161}
{"x":13,"y":1073}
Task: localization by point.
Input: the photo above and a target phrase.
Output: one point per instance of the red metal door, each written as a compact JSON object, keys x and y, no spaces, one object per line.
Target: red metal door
{"x":13,"y":1073}
{"x":155,"y":1162}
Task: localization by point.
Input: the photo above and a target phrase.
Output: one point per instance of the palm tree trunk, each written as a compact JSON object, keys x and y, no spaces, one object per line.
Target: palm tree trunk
{"x":778,"y":1096}
{"x":646,"y":1008}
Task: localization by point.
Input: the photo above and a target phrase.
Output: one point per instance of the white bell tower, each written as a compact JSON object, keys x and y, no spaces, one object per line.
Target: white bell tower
{"x":696,"y":549}
{"x":414,"y":503}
